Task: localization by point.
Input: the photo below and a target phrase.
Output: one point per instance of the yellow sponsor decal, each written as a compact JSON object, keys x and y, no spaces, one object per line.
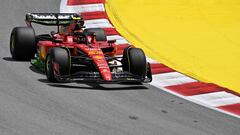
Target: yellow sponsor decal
{"x":76,"y":18}
{"x":43,"y":53}
{"x":92,"y":52}
{"x":98,"y":57}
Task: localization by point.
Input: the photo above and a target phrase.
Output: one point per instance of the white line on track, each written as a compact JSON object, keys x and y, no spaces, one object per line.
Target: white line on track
{"x":217,"y":99}
{"x":169,"y":79}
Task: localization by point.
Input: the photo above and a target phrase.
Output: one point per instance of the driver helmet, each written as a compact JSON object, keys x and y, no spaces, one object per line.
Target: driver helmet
{"x":79,"y":25}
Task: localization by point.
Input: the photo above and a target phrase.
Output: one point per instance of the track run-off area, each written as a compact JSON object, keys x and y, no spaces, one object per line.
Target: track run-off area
{"x":199,"y":38}
{"x":210,"y":95}
{"x":29,"y":104}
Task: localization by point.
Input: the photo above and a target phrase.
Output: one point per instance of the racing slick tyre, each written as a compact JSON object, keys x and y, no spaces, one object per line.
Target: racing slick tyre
{"x":57,"y":64}
{"x":100,"y":33}
{"x":134,"y":61}
{"x":22,"y":43}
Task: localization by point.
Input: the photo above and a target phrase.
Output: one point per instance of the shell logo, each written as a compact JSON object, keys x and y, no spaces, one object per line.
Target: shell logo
{"x":98,"y":57}
{"x":92,"y":52}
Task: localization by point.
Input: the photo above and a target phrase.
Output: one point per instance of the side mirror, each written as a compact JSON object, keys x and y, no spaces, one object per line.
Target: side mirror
{"x":111,"y":41}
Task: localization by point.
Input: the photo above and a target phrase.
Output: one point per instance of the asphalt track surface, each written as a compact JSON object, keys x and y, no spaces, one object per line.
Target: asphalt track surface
{"x":29,"y":105}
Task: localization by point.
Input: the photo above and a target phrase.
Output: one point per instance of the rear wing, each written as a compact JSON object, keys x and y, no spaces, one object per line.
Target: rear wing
{"x":51,"y":19}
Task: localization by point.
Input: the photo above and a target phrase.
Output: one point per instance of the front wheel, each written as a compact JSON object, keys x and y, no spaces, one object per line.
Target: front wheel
{"x":134,"y":61}
{"x":57,"y":64}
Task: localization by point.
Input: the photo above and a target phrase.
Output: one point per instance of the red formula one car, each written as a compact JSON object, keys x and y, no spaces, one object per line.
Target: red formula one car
{"x":76,"y":54}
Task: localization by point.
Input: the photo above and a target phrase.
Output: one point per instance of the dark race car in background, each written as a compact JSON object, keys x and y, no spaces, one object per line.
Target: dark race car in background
{"x":76,"y":54}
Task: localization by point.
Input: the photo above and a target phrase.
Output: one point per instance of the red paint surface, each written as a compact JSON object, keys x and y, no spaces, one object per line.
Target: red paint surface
{"x":94,"y":15}
{"x":120,"y":48}
{"x":234,"y":108}
{"x":80,"y":2}
{"x":158,"y":68}
{"x":195,"y":88}
{"x":110,"y":31}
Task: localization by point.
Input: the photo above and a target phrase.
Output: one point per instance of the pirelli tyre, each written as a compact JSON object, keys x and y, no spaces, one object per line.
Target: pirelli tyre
{"x":57,"y":64}
{"x":22,"y":43}
{"x":100,"y":33}
{"x":134,"y":61}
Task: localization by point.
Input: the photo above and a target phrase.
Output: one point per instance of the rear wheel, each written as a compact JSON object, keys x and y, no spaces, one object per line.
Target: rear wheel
{"x":134,"y":61}
{"x":100,"y":33}
{"x":22,"y":43}
{"x":57,"y":64}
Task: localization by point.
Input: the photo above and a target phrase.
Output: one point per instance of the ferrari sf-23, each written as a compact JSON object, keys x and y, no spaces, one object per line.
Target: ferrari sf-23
{"x":76,"y":53}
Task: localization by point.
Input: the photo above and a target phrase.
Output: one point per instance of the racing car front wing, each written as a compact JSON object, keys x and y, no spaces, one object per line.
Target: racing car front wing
{"x":120,"y":77}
